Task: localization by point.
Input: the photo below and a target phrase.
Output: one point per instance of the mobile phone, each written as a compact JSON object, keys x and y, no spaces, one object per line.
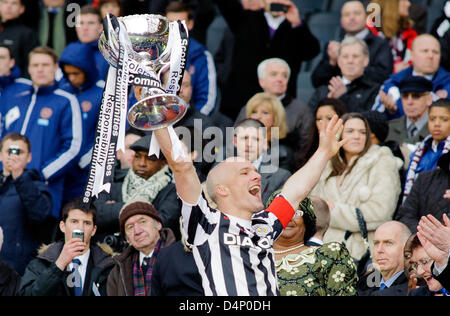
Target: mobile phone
{"x":14,"y":150}
{"x":278,"y":7}
{"x":78,"y":234}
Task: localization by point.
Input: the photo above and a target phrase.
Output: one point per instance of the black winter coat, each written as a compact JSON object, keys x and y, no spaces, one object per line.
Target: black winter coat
{"x":9,"y":280}
{"x":426,"y":196}
{"x":379,"y":68}
{"x":43,"y":278}
{"x":253,"y":44}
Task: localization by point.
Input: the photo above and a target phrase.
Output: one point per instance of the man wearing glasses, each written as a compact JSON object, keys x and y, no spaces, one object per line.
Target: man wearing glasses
{"x":425,"y":58}
{"x":416,"y":98}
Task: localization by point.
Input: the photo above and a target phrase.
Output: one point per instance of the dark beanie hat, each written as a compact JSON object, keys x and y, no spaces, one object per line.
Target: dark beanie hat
{"x":135,"y":208}
{"x":378,"y":124}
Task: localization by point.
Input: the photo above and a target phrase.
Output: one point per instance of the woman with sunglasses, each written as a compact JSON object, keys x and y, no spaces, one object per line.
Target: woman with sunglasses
{"x":326,"y":270}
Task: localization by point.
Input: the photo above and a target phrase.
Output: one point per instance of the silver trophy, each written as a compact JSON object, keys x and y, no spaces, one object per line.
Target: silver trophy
{"x":147,"y":43}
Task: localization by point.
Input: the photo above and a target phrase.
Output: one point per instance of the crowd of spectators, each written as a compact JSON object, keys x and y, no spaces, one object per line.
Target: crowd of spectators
{"x":374,"y":223}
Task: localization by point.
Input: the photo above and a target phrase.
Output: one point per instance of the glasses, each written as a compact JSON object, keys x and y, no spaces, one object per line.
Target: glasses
{"x":421,"y":263}
{"x":298,"y":213}
{"x":414,"y":95}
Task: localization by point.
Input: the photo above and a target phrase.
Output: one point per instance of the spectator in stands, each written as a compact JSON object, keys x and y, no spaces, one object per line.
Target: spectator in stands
{"x":192,"y":113}
{"x":80,"y":79}
{"x":412,"y":128}
{"x":9,"y":279}
{"x":49,"y":117}
{"x":204,"y":13}
{"x":142,"y":227}
{"x":353,"y":87}
{"x":89,"y":264}
{"x":425,"y":57}
{"x":56,"y":24}
{"x":445,"y":51}
{"x":200,"y":63}
{"x":435,"y":237}
{"x":427,"y":155}
{"x":322,"y":212}
{"x":427,"y":195}
{"x":353,"y":22}
{"x":356,"y":178}
{"x":250,"y":143}
{"x":125,"y":159}
{"x":88,"y":29}
{"x":150,"y":179}
{"x":326,"y":270}
{"x":388,"y":256}
{"x":115,"y":7}
{"x":175,"y":272}
{"x":20,"y":38}
{"x":396,"y":26}
{"x":273,"y":78}
{"x":259,"y":35}
{"x":267,"y":109}
{"x":442,"y":24}
{"x":25,"y":202}
{"x":325,"y":110}
{"x":422,"y":262}
{"x":9,"y":71}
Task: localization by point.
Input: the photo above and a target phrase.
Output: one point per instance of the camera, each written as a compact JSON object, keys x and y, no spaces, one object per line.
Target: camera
{"x":116,"y":242}
{"x":78,"y":234}
{"x":14,"y":150}
{"x":278,"y":7}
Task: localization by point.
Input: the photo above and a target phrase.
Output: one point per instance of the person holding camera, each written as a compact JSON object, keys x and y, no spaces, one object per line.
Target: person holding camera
{"x":25,"y":202}
{"x":73,"y":266}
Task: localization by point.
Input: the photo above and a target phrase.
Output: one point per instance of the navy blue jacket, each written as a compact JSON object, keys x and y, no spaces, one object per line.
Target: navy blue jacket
{"x":51,"y":119}
{"x":89,"y":97}
{"x":441,"y":81}
{"x":24,"y":202}
{"x":200,"y":65}
{"x":5,"y":81}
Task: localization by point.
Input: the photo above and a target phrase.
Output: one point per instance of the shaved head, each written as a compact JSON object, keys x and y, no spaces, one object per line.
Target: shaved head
{"x":395,"y":228}
{"x":220,"y":174}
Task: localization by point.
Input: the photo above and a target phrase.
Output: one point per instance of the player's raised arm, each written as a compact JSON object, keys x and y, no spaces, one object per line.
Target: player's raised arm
{"x":298,"y":186}
{"x":186,"y":180}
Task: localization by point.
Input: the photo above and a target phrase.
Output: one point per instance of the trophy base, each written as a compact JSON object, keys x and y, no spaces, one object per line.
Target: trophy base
{"x":156,"y":112}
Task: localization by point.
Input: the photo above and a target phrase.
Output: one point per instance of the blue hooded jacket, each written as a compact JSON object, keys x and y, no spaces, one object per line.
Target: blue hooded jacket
{"x":89,"y":97}
{"x":441,"y":81}
{"x":5,"y":81}
{"x":200,"y":65}
{"x":51,"y":119}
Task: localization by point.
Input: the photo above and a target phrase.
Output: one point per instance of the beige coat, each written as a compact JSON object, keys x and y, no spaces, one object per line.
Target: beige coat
{"x":373,"y":186}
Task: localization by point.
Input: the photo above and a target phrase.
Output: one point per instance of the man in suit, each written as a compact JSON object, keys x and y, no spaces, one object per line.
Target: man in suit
{"x":388,"y":245}
{"x":73,"y":266}
{"x":353,"y":22}
{"x":412,"y":128}
{"x":249,"y":140}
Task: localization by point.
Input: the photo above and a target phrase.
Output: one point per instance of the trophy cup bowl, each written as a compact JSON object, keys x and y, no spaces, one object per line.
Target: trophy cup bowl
{"x":148,"y":43}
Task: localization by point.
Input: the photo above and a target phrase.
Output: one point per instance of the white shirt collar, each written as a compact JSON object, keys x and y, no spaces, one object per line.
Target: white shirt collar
{"x":143,"y":255}
{"x":316,"y":240}
{"x":257,"y":162}
{"x":429,"y":77}
{"x":361,"y":35}
{"x":346,"y":81}
{"x":274,"y":22}
{"x":419,"y":124}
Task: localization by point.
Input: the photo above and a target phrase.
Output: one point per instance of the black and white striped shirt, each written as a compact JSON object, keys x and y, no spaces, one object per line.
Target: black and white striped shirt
{"x":234,"y":256}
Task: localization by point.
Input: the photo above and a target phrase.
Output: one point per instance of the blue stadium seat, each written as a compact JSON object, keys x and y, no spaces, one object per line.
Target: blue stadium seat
{"x":326,"y":26}
{"x":308,"y":7}
{"x":214,"y":34}
{"x":305,"y":89}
